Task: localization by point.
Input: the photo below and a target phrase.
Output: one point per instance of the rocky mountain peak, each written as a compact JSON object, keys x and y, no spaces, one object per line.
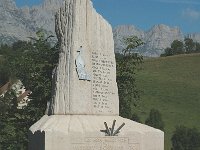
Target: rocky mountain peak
{"x":123,"y":31}
{"x":52,"y":4}
{"x":128,"y":30}
{"x":21,"y":23}
{"x":156,"y":39}
{"x":7,"y":4}
{"x":194,"y":36}
{"x":164,"y":28}
{"x":160,"y":27}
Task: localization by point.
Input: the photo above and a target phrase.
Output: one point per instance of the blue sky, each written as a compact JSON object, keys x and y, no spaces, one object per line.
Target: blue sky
{"x":146,"y":13}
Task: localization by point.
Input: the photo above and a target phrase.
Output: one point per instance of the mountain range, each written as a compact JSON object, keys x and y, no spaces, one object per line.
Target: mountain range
{"x":22,"y":23}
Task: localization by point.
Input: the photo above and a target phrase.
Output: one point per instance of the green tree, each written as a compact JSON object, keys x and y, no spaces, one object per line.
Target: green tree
{"x":135,"y":117}
{"x":14,"y":123}
{"x":177,"y":47}
{"x":155,"y":119}
{"x":32,"y":63}
{"x":127,"y":64}
{"x":186,"y":139}
{"x":4,"y":75}
{"x":169,"y":51}
{"x":5,"y":49}
{"x":4,"y":71}
{"x":190,"y":45}
{"x":197,"y":47}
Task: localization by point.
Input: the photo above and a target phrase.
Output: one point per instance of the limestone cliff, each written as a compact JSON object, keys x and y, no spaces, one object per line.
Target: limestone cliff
{"x":22,"y":23}
{"x":123,"y":31}
{"x":194,"y":36}
{"x":156,"y":39}
{"x":12,"y":25}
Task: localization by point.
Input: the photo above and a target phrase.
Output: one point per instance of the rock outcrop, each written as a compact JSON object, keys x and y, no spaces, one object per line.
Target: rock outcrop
{"x":194,"y":36}
{"x":43,"y":16}
{"x":155,"y":40}
{"x":123,"y":31}
{"x":22,"y":23}
{"x":12,"y":25}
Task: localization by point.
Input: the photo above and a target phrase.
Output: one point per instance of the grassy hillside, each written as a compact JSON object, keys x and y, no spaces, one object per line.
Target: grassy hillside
{"x":171,"y":85}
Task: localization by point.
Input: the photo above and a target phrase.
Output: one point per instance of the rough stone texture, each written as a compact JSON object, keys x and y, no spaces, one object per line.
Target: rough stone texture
{"x":156,"y":39}
{"x":12,"y":25}
{"x":79,"y":108}
{"x":43,"y":16}
{"x":78,"y":24}
{"x":21,"y":23}
{"x":194,"y":36}
{"x":124,"y":31}
{"x":82,"y":132}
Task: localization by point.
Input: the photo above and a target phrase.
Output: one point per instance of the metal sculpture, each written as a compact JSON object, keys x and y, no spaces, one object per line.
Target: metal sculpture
{"x":112,"y":131}
{"x":80,"y":66}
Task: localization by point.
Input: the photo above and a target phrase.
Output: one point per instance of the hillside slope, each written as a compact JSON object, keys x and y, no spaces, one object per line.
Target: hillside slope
{"x":171,"y":85}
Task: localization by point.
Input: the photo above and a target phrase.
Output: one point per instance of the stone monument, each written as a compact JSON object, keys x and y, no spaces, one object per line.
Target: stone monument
{"x":85,"y":99}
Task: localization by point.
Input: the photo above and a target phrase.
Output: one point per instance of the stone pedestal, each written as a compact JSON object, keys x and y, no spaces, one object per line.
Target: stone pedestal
{"x":82,"y":132}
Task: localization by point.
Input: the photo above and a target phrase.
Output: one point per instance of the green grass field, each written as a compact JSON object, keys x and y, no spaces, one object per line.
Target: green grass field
{"x":171,"y":85}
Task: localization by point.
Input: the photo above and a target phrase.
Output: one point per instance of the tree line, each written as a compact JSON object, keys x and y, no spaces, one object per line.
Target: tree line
{"x":32,"y":63}
{"x":183,"y":138}
{"x":187,"y":46}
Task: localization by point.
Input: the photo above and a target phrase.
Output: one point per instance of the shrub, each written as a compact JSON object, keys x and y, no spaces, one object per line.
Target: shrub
{"x":135,"y":117}
{"x":155,"y":119}
{"x":186,"y":139}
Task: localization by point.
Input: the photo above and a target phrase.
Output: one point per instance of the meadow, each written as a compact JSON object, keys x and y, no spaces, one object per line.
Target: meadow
{"x":171,"y":85}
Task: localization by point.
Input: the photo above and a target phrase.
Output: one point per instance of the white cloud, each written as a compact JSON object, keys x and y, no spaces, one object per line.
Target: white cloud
{"x":191,"y":14}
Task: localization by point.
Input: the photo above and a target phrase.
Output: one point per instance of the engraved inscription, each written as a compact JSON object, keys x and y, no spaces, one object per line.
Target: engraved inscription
{"x":101,"y":83}
{"x":106,"y":143}
{"x":85,"y":147}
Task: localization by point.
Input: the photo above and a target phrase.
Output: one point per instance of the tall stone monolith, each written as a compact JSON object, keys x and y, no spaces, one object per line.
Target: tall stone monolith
{"x":85,"y":97}
{"x":80,"y":27}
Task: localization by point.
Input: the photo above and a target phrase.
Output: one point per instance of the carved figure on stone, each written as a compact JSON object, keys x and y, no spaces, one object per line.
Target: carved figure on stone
{"x":80,"y":66}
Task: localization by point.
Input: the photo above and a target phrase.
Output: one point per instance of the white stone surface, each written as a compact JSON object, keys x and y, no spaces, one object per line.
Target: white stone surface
{"x":78,"y":24}
{"x":79,"y":108}
{"x":82,"y":132}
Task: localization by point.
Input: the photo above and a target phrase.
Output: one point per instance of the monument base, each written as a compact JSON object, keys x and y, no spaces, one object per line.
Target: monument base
{"x":82,"y":132}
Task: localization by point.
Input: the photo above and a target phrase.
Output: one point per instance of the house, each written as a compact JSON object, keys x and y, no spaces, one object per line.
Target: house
{"x":20,"y":91}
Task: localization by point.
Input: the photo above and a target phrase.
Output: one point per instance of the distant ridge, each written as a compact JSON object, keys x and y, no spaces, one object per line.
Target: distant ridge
{"x":156,"y":39}
{"x":21,"y":23}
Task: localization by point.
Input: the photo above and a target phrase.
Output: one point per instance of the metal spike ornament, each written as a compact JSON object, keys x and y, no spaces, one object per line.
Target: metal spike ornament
{"x":112,"y":131}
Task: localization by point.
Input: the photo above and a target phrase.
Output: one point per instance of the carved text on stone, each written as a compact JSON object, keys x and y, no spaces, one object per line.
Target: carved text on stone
{"x":101,"y":83}
{"x":106,"y":143}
